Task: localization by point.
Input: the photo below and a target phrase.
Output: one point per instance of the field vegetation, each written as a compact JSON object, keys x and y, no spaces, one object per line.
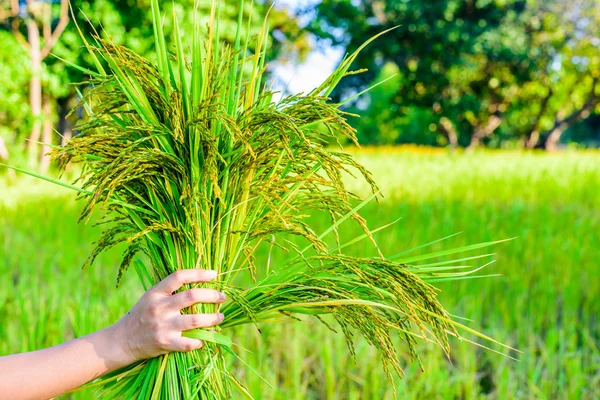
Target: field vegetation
{"x":544,"y":302}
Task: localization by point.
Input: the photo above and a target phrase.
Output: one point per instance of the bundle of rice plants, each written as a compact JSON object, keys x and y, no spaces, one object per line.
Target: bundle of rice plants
{"x":196,"y":166}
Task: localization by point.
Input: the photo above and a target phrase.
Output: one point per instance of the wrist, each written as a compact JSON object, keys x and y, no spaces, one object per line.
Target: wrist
{"x":113,"y":348}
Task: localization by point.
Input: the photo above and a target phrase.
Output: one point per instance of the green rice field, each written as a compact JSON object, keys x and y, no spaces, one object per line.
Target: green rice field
{"x":545,"y":301}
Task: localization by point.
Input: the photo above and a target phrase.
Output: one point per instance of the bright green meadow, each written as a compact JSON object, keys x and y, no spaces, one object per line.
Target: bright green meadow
{"x":546,"y":301}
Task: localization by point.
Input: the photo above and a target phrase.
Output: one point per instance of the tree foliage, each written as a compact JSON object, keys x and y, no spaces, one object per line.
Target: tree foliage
{"x":472,"y":71}
{"x":14,"y":105}
{"x":126,"y":22}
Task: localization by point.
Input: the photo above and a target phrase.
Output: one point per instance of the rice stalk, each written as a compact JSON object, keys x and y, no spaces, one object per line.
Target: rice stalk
{"x":196,"y":166}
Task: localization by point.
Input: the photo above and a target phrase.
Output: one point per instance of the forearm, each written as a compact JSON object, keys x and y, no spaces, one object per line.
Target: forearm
{"x":152,"y":327}
{"x":47,"y":373}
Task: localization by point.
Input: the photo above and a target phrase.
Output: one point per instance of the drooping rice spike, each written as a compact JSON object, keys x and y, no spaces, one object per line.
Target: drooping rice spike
{"x":196,"y":167}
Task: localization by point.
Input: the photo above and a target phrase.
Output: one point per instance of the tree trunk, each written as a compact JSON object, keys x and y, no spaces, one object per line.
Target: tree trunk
{"x":550,"y":138}
{"x":448,"y":129}
{"x":482,"y":131}
{"x":35,"y":89}
{"x":533,"y":137}
{"x":46,"y":135}
{"x":3,"y":150}
{"x":553,"y":138}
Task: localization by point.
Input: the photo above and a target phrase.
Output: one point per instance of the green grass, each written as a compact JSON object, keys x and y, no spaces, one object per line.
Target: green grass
{"x":545,"y":303}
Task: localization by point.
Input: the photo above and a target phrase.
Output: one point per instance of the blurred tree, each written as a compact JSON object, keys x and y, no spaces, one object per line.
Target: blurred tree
{"x":381,"y":123}
{"x":14,"y":104}
{"x":451,"y":54}
{"x":128,"y":22}
{"x":474,"y":67}
{"x":37,"y":29}
{"x":565,"y":87}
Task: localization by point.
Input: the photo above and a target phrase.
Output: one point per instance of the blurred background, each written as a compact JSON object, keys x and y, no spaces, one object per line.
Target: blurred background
{"x":484,"y":119}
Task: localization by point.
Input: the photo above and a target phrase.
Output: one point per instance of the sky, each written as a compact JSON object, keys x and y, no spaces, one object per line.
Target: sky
{"x":308,"y":75}
{"x":319,"y":64}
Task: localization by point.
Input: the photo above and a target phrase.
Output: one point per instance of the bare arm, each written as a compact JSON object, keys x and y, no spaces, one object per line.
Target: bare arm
{"x":152,"y":327}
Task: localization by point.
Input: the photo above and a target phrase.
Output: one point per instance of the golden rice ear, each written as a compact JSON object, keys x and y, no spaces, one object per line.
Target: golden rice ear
{"x":197,"y":168}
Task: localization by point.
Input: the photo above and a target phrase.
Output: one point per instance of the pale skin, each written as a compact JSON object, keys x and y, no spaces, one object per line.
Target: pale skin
{"x":153,"y":327}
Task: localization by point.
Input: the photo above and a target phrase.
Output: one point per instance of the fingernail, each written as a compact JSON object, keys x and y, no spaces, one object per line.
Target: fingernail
{"x":222,"y":296}
{"x":211,"y":274}
{"x":220,"y":316}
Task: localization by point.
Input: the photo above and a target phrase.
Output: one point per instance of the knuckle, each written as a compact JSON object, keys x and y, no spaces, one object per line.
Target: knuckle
{"x":162,"y":341}
{"x":155,"y":325}
{"x":154,"y":310}
{"x":192,"y":295}
{"x":152,"y":325}
{"x":189,"y":346}
{"x":178,"y":275}
{"x":216,"y":319}
{"x":215,"y":296}
{"x":195,"y":320}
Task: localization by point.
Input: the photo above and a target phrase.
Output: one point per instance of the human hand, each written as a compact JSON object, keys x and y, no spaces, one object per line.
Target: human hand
{"x":154,"y":325}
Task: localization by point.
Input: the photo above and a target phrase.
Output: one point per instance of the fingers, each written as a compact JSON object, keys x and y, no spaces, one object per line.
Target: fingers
{"x":194,"y":321}
{"x":195,"y":296}
{"x":183,"y":276}
{"x":186,"y":344}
